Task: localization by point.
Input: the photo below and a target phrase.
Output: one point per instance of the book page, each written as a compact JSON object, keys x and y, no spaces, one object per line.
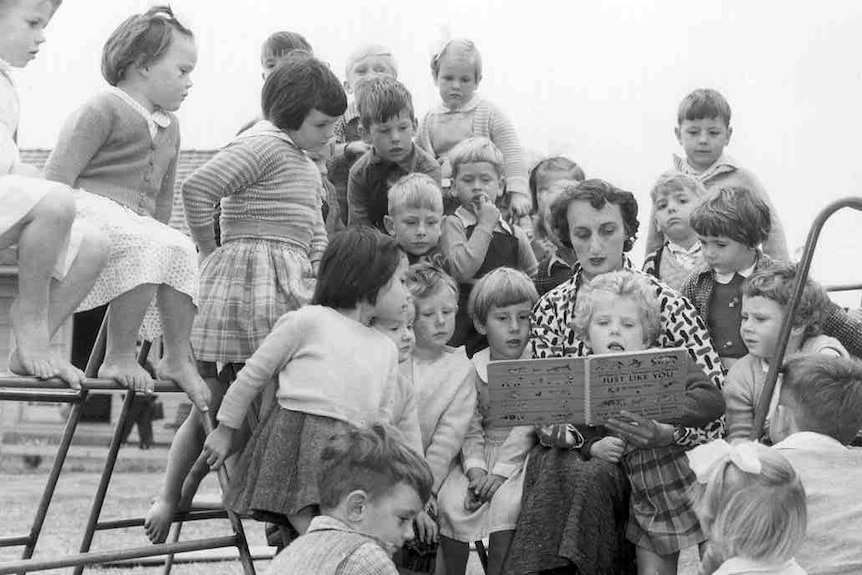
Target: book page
{"x":536,"y":391}
{"x":650,"y":383}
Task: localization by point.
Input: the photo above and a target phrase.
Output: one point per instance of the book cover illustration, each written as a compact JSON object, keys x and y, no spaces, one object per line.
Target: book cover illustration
{"x":587,"y":390}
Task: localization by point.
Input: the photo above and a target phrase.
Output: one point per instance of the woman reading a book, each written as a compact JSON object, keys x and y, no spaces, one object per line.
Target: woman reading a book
{"x":575,"y":505}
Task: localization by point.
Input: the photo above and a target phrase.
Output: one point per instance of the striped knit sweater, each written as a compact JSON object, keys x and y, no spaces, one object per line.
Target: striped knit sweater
{"x":488,"y":122}
{"x":271,"y":190}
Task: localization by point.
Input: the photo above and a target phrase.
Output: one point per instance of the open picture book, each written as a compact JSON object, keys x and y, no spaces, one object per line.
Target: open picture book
{"x":587,"y":390}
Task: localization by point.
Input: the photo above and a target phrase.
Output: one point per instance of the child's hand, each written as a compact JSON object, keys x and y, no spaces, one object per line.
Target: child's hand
{"x":472,"y":501}
{"x":431,"y":506}
{"x":474,"y":475}
{"x":556,"y":435}
{"x":487,"y":213}
{"x":519,"y":204}
{"x":608,"y":448}
{"x":217,"y":446}
{"x":639,"y":431}
{"x":489,"y":486}
{"x":426,"y":528}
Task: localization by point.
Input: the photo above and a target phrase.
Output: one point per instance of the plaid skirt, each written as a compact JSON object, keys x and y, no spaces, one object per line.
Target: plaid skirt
{"x":661,"y":514}
{"x":143,"y":251}
{"x":277,"y":473}
{"x":246,"y":285}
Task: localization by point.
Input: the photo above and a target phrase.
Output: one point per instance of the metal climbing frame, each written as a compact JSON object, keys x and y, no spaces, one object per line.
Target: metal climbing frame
{"x":786,"y":327}
{"x":31,"y":389}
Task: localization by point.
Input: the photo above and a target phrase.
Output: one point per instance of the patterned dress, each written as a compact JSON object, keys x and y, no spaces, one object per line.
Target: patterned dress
{"x":575,"y":510}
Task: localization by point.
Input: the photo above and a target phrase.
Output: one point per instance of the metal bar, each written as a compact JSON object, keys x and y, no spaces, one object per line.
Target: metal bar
{"x":844,"y":287}
{"x":54,"y":476}
{"x":89,"y":384}
{"x":38,"y":395}
{"x":97,"y":354}
{"x":224,"y":481}
{"x":80,"y":560}
{"x":104,"y":481}
{"x":176,"y":529}
{"x":14,"y":541}
{"x":802,"y":269}
{"x":139,"y":521}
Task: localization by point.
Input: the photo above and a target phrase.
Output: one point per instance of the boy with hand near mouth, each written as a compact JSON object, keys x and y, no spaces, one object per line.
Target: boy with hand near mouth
{"x":388,"y":123}
{"x":476,"y":239}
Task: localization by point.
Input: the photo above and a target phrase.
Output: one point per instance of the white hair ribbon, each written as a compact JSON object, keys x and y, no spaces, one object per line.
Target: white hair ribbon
{"x":705,"y":459}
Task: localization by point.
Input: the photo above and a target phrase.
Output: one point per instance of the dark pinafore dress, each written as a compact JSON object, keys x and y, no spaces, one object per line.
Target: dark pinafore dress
{"x":503,"y":251}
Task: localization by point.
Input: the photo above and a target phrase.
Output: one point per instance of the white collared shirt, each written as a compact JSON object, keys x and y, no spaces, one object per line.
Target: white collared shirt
{"x":155,"y":120}
{"x":725,"y":278}
{"x":687,"y":257}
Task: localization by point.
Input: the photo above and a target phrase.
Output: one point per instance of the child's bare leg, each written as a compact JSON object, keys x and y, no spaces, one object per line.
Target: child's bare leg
{"x":184,"y":471}
{"x":178,"y":313}
{"x":41,"y":236}
{"x":125,"y":315}
{"x":455,"y":555}
{"x":498,"y":547}
{"x":651,"y":564}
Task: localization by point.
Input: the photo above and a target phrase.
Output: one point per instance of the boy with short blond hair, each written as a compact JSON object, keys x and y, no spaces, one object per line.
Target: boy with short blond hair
{"x":476,"y":239}
{"x":386,"y":113}
{"x":415,"y":218}
{"x":674,"y":197}
{"x":703,"y":130}
{"x":371,"y":487}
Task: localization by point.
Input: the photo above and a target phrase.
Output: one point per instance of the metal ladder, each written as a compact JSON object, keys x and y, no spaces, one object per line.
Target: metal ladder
{"x":32,"y":389}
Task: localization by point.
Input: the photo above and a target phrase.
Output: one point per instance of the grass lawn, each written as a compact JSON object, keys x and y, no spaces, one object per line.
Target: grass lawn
{"x":128,"y":496}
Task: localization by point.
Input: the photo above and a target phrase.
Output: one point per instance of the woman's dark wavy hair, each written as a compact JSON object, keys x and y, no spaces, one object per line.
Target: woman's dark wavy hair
{"x":598,"y":193}
{"x":140,"y":40}
{"x":299,"y":84}
{"x":357,"y":263}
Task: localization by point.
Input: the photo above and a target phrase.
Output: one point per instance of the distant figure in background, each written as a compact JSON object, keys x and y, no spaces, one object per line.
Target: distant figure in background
{"x":462,"y":114}
{"x":703,"y":130}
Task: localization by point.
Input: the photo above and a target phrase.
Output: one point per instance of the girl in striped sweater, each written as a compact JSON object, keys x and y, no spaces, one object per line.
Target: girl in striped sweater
{"x":273,"y":237}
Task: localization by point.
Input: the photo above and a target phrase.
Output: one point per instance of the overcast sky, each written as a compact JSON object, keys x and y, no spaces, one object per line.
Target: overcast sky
{"x":599,"y":81}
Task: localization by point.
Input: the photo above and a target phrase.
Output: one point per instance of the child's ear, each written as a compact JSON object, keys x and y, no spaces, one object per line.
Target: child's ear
{"x":347,"y":88}
{"x":729,"y":133}
{"x":415,"y":124}
{"x":356,"y":505}
{"x":389,"y":224}
{"x":480,"y":327}
{"x":678,"y":135}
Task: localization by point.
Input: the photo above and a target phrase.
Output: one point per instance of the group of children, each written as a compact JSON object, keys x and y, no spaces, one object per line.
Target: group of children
{"x":449,"y":244}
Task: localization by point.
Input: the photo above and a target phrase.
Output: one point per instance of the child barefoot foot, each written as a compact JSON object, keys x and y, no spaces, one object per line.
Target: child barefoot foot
{"x":128,"y":373}
{"x":157,"y":523}
{"x":185,"y":374}
{"x":33,"y":344}
{"x":64,"y":370}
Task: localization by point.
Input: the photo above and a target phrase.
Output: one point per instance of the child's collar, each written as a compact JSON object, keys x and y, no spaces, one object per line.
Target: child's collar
{"x":155,"y":120}
{"x":468,"y":106}
{"x":724,"y":163}
{"x":482,"y":358}
{"x":727,"y":277}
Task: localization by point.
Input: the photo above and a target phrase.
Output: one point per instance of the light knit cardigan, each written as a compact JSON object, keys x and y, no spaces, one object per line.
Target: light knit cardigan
{"x":488,"y":122}
{"x":105,"y":148}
